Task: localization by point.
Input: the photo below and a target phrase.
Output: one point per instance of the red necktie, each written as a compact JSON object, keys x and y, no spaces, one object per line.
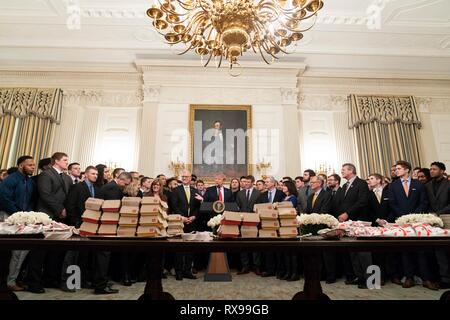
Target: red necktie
{"x":220,"y":194}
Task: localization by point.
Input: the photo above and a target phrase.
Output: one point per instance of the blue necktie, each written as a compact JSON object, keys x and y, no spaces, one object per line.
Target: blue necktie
{"x":91,"y":190}
{"x":270,"y":196}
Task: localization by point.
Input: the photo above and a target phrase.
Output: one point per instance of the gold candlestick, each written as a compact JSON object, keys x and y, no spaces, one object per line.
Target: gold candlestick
{"x":262,"y":168}
{"x":177,"y":167}
{"x":325,"y":168}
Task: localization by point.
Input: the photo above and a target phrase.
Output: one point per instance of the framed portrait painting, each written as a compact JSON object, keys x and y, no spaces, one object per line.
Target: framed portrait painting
{"x":220,"y":140}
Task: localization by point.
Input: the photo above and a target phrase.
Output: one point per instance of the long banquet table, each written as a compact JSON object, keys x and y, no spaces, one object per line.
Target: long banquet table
{"x":155,"y":248}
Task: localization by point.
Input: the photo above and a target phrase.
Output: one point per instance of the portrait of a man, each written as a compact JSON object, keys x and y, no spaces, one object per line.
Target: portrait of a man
{"x":220,"y":140}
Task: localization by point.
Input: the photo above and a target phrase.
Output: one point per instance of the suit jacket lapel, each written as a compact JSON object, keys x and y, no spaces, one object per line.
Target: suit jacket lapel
{"x":319,"y":198}
{"x":192,"y":192}
{"x":60,"y":179}
{"x":253,"y":196}
{"x":441,"y":188}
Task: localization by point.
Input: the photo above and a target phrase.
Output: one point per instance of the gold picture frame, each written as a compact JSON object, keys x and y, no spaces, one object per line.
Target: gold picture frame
{"x":237,"y":109}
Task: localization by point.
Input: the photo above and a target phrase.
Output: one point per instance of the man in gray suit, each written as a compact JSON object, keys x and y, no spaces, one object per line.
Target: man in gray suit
{"x":246,"y":199}
{"x":305,"y":191}
{"x":53,"y":186}
{"x":438,"y":190}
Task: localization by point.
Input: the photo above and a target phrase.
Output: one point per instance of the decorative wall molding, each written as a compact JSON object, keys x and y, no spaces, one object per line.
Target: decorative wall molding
{"x":323,"y":103}
{"x":345,"y":20}
{"x":423,"y":104}
{"x":114,"y":13}
{"x":151,"y":93}
{"x":289,"y":96}
{"x":334,"y":85}
{"x":340,"y":103}
{"x":102,"y":98}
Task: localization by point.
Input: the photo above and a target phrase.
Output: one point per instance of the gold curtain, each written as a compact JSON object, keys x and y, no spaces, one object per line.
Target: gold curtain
{"x":385,"y":130}
{"x":28,"y":118}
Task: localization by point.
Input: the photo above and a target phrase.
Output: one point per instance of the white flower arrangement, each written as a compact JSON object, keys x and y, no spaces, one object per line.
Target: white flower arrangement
{"x":316,"y":218}
{"x":215,"y":221}
{"x":28,"y":218}
{"x":299,"y":221}
{"x":420,"y":218}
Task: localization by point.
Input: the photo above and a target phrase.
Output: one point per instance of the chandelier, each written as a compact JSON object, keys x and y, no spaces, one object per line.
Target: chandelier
{"x":219,"y":29}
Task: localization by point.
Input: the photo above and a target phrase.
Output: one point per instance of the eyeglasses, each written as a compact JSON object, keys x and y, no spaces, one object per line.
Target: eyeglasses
{"x":185,"y":177}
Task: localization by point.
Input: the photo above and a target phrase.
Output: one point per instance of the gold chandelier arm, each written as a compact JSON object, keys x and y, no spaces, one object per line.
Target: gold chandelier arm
{"x":220,"y":61}
{"x":189,"y":48}
{"x":194,"y":22}
{"x":187,"y":6}
{"x":209,"y":59}
{"x":300,"y":30}
{"x":262,"y":55}
{"x":201,"y":5}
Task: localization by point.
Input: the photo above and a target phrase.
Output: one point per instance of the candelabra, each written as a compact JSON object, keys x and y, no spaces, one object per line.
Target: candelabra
{"x":177,"y":167}
{"x":325,"y":168}
{"x":111,"y":165}
{"x":262,"y":167}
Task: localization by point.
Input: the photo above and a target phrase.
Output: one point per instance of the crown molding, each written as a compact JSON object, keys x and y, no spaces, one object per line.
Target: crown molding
{"x":102,"y":98}
{"x":322,"y":102}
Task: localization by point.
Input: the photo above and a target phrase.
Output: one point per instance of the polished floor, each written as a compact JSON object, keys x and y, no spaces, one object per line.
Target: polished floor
{"x":244,"y":287}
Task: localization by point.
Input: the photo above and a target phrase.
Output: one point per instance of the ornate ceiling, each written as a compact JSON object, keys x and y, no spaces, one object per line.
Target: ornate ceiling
{"x":405,"y":38}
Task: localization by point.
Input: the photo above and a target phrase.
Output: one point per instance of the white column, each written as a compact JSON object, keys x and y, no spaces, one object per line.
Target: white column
{"x":428,"y":142}
{"x":67,"y":131}
{"x":291,"y":132}
{"x":88,"y":137}
{"x":345,"y":147}
{"x":147,"y":148}
{"x":345,"y":141}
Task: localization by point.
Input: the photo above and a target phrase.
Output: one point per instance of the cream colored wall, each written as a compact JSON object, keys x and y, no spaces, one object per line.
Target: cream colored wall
{"x":147,"y":113}
{"x":324,"y":98}
{"x":171,"y":89}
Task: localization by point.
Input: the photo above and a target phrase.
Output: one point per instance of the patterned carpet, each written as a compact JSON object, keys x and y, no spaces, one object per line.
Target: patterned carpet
{"x":243,"y":287}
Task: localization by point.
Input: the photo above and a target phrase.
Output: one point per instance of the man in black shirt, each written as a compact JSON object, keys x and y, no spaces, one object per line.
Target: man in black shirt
{"x":438,"y":190}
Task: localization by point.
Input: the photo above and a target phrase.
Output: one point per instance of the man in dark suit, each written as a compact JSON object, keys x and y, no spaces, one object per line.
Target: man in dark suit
{"x":330,"y":258}
{"x":438,"y":190}
{"x":305,"y":191}
{"x":319,"y":201}
{"x":53,"y":186}
{"x":246,"y":199}
{"x":75,"y":206}
{"x":352,"y":204}
{"x":406,"y":196}
{"x":145,"y":185}
{"x":218,"y":191}
{"x":185,"y":201}
{"x":113,"y":190}
{"x":270,"y":196}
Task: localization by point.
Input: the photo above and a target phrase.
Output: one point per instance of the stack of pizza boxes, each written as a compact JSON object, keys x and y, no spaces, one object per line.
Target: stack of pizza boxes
{"x":229,"y":225}
{"x":129,"y":216}
{"x":250,"y":222}
{"x":109,"y":218}
{"x":91,"y":217}
{"x":269,"y":220}
{"x":153,"y":219}
{"x":175,"y":224}
{"x":288,"y":220}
